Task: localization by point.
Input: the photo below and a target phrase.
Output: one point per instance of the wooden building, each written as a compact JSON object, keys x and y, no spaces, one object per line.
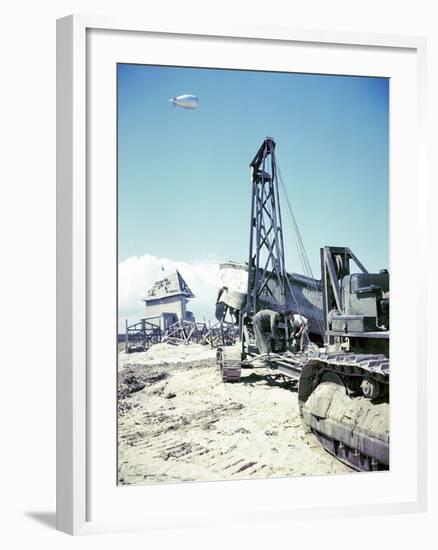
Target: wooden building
{"x":166,"y":301}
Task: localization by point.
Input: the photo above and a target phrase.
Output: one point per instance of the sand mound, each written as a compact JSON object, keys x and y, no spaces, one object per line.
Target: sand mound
{"x":167,"y":354}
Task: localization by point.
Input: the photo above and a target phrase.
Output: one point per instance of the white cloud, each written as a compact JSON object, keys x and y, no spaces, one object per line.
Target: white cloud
{"x":138,"y":274}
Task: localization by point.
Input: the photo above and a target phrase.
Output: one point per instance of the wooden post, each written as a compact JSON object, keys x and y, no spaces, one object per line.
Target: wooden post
{"x":143,"y":333}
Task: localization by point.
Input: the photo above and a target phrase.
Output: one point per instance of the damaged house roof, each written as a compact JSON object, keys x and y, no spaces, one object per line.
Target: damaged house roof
{"x":171,"y":285}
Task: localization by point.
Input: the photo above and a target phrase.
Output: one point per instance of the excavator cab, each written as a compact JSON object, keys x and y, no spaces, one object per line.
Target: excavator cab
{"x":355,"y":305}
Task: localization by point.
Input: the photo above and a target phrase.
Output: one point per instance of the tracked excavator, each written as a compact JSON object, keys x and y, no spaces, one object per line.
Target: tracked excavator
{"x":342,"y":375}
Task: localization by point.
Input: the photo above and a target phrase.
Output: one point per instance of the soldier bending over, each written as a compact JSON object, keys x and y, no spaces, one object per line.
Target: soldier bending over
{"x":265,"y":322}
{"x":300,"y":328}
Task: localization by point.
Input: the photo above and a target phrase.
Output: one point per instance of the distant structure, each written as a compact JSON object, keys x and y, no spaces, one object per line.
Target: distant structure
{"x":166,"y":301}
{"x":186,"y":101}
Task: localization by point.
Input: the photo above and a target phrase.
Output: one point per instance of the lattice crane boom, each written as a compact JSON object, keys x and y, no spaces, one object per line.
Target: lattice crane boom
{"x":266,"y":265}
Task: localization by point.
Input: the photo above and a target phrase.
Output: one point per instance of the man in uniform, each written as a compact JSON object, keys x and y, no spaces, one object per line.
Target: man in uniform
{"x":265,"y":321}
{"x":300,"y":328}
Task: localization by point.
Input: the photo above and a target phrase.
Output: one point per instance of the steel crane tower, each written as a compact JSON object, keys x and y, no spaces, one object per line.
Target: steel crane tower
{"x":266,"y":267}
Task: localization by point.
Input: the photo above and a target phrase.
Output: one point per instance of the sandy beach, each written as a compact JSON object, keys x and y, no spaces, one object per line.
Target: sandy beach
{"x":179,"y":422}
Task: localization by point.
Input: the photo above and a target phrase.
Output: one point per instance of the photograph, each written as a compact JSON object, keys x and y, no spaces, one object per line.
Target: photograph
{"x":252,"y":274}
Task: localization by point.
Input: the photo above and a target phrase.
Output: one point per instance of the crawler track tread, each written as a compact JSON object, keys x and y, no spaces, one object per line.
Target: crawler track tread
{"x":351,"y":363}
{"x":371,"y":453}
{"x":229,"y":359}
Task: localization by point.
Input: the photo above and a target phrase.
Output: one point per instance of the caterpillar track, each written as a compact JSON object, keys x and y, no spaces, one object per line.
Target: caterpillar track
{"x":230,"y":362}
{"x":344,"y":399}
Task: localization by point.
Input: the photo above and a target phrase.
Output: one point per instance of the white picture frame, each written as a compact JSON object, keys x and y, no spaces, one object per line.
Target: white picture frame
{"x":74,"y":218}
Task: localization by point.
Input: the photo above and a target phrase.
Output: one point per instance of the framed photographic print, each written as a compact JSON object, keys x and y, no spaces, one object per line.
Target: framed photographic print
{"x":238,"y":211}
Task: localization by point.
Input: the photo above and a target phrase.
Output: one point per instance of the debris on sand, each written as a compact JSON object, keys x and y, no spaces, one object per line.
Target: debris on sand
{"x":132,"y":381}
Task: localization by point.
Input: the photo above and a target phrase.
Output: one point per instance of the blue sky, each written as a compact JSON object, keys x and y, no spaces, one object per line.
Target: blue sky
{"x":183,"y":176}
